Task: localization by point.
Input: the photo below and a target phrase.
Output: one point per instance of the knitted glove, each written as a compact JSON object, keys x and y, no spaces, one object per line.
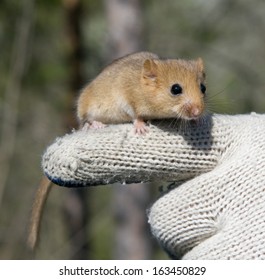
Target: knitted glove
{"x":219,"y":210}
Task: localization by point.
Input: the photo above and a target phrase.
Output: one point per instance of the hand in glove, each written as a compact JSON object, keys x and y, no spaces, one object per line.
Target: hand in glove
{"x":218,"y":212}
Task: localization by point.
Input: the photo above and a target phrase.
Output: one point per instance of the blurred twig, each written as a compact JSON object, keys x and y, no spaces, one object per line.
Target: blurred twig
{"x":13,"y":91}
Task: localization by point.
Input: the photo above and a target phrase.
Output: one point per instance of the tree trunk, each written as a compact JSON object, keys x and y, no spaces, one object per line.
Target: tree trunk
{"x":130,"y":201}
{"x":124,"y":27}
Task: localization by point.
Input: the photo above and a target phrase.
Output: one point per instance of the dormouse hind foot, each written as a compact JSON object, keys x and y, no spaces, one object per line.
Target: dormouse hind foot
{"x":93,"y":125}
{"x":140,"y":127}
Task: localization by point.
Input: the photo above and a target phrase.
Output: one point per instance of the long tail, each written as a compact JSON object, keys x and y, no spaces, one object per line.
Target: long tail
{"x":37,"y":211}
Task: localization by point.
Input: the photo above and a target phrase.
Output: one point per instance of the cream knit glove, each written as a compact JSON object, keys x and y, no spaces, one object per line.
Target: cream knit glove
{"x":217,"y":213}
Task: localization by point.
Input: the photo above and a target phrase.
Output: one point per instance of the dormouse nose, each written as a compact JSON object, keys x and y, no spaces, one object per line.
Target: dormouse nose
{"x":193,"y":111}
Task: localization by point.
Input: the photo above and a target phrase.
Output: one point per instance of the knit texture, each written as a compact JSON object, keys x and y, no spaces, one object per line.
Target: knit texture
{"x":218,"y":213}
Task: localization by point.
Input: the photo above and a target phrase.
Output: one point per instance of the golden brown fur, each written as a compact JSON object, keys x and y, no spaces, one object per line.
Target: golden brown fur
{"x":138,"y":86}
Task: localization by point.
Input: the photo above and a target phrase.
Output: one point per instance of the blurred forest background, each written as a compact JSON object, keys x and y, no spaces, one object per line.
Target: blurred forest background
{"x":49,"y":50}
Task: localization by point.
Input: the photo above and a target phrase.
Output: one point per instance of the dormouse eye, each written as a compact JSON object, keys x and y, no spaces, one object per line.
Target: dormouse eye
{"x":203,"y":88}
{"x":176,"y":89}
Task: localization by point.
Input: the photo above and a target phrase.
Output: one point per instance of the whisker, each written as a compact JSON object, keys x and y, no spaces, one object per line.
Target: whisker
{"x":172,"y":123}
{"x":222,"y":90}
{"x":219,"y":103}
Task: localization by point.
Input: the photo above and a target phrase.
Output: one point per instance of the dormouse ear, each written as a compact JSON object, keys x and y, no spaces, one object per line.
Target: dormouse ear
{"x":149,"y":69}
{"x":200,"y":64}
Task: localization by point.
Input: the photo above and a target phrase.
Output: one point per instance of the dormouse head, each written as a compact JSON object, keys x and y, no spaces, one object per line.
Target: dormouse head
{"x":176,"y":85}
